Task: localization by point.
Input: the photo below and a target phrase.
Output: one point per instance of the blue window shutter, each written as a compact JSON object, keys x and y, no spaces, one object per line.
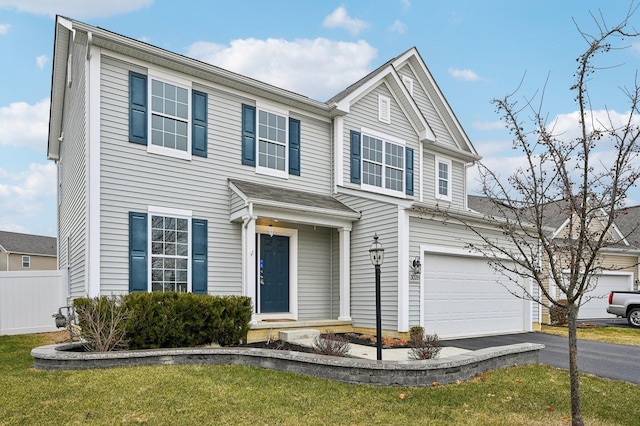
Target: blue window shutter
{"x":137,"y":108}
{"x":355,"y":157}
{"x":199,"y":243}
{"x":409,"y":170}
{"x":248,"y":135}
{"x":294,"y":147}
{"x":138,"y":263}
{"x":199,"y":123}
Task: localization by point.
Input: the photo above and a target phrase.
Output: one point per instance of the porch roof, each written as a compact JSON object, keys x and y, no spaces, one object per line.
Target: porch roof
{"x":272,"y":197}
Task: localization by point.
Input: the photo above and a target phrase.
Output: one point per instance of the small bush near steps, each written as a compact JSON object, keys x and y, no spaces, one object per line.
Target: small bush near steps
{"x":423,"y":346}
{"x":559,"y":315}
{"x":330,"y":343}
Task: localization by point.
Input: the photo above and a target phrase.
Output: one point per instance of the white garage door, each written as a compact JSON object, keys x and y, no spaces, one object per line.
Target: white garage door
{"x":463,"y":298}
{"x":597,"y":306}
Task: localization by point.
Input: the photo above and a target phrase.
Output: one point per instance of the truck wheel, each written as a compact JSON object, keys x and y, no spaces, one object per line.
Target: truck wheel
{"x":634,"y":317}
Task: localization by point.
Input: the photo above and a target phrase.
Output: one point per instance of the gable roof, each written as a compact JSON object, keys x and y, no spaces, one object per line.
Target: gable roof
{"x":626,"y":228}
{"x":14,"y":242}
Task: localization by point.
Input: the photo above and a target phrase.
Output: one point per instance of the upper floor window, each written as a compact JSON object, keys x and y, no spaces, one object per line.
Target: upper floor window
{"x":167,"y":115}
{"x":26,"y":262}
{"x":443,"y":179}
{"x":381,"y":163}
{"x":272,"y":140}
{"x":272,"y":137}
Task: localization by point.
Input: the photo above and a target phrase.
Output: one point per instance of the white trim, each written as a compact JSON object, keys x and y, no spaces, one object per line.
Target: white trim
{"x":421,"y":174}
{"x":264,"y":170}
{"x":403,"y":270}
{"x":169,"y":78}
{"x":93,"y":251}
{"x":293,"y":273}
{"x":28,"y":262}
{"x":448,"y":162}
{"x":178,"y":214}
{"x":345,"y":274}
{"x":338,"y":154}
{"x":384,"y":109}
{"x":169,"y":211}
{"x":249,"y":255}
{"x":383,"y":136}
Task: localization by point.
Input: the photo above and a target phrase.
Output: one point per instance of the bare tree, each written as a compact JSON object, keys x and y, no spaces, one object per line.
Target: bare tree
{"x":568,"y":178}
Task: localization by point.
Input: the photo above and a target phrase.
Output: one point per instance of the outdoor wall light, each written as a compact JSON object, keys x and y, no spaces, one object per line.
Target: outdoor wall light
{"x":271,"y":230}
{"x":416,"y":264}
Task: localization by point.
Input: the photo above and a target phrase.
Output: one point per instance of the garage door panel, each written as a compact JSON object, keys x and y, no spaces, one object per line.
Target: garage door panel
{"x":464,"y":298}
{"x":596,"y":307}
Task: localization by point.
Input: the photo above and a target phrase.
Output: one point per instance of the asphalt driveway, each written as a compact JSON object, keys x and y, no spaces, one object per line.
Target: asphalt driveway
{"x":617,"y":362}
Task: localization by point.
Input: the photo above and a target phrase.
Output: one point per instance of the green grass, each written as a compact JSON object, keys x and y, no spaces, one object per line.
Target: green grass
{"x":618,"y":335}
{"x":233,"y":395}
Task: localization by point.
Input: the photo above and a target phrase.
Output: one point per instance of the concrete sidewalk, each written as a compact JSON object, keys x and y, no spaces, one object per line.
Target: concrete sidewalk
{"x":370,"y":352}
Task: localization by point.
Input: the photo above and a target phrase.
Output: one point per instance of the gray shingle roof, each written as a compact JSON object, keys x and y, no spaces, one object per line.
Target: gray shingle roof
{"x":15,"y":242}
{"x":257,"y":191}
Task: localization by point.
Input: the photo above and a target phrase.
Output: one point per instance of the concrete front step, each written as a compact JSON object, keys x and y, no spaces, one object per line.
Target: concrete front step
{"x":299,"y":334}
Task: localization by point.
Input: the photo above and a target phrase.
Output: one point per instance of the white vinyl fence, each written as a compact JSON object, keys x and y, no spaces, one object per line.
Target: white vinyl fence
{"x":29,"y":299}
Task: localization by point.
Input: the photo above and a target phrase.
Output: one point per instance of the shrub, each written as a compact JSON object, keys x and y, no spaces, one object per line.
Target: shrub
{"x":559,"y":315}
{"x":103,"y":322}
{"x":185,"y":319}
{"x":330,"y":343}
{"x":423,"y":346}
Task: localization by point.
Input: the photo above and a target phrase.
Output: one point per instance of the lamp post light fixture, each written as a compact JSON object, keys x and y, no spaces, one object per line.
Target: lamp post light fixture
{"x":376,"y":253}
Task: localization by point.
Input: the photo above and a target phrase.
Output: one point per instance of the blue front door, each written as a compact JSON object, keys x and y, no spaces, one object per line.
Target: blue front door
{"x":274,"y":273}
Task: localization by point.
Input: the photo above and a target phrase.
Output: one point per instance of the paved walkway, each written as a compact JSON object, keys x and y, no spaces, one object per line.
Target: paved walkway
{"x":401,"y":354}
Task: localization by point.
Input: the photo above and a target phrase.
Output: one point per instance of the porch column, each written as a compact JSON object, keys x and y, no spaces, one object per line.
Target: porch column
{"x":249,"y":262}
{"x":345,"y":274}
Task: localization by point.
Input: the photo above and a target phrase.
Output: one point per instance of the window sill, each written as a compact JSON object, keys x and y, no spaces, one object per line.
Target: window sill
{"x":272,"y":172}
{"x":168,"y":152}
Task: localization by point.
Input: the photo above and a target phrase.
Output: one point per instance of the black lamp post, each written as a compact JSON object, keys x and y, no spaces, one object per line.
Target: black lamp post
{"x":376,"y":252}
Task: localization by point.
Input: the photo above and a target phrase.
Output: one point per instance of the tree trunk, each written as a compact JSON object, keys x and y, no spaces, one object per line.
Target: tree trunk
{"x":576,"y":410}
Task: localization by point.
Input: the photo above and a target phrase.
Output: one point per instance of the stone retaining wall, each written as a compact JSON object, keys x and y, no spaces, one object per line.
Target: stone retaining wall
{"x":347,"y":370}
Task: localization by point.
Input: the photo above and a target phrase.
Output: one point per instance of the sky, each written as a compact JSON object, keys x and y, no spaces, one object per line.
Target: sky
{"x":477,"y":51}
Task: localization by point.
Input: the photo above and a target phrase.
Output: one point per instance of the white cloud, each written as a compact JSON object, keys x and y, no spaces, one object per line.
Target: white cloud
{"x":398,"y":27}
{"x":41,"y":61}
{"x":317,"y":68}
{"x":488,"y":125}
{"x":634,"y":46}
{"x":502,"y":159}
{"x":26,"y":197}
{"x":76,"y":8}
{"x":340,"y":19}
{"x":464,"y":75}
{"x":4,"y":28}
{"x":406,"y":4}
{"x":22,"y":124}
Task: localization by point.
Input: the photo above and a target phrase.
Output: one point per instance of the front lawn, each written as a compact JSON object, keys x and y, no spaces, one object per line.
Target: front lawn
{"x":233,"y":395}
{"x":619,"y":335}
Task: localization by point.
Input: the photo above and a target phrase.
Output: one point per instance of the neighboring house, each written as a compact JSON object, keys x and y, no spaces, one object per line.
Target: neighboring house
{"x":619,"y":259}
{"x":178,"y":175}
{"x":25,"y":252}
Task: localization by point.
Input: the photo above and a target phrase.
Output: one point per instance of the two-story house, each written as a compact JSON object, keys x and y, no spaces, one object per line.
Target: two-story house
{"x":176,"y":175}
{"x":27,"y":252}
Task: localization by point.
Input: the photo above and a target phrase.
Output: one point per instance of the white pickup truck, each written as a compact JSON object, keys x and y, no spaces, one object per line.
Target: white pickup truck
{"x":625,"y":304}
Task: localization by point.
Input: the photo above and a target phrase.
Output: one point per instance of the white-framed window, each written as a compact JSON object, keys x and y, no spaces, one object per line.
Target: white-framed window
{"x":384,"y":109}
{"x":408,"y":83}
{"x":443,"y":179}
{"x":26,"y":262}
{"x":170,"y":249}
{"x":272,"y":140}
{"x":170,"y":116}
{"x":383,"y":163}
